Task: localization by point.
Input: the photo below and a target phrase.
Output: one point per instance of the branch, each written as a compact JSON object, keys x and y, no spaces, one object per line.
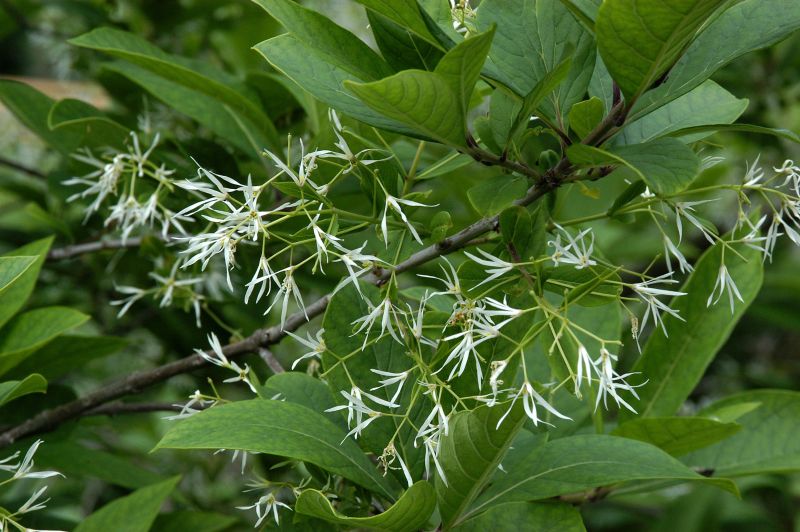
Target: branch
{"x":114,"y":409}
{"x":50,"y":419}
{"x":22,"y":168}
{"x":67,"y":252}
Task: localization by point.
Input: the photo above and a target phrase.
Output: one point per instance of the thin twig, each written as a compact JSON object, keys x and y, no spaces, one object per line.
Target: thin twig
{"x":68,"y":252}
{"x":22,"y":168}
{"x":114,"y":409}
{"x":269,"y":359}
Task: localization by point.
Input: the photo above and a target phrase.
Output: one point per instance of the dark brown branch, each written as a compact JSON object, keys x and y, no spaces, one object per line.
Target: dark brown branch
{"x":114,"y":409}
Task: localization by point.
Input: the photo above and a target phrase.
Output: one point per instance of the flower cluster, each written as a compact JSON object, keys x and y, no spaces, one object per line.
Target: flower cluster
{"x":19,"y":470}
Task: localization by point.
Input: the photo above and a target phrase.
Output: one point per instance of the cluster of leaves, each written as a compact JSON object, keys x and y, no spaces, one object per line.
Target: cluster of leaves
{"x":535,"y":131}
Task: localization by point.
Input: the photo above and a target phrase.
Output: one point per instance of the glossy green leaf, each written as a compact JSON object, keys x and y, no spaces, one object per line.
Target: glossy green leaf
{"x":410,"y":512}
{"x":693,"y":131}
{"x":708,"y":104}
{"x":400,"y":47}
{"x":77,"y":461}
{"x":525,"y":231}
{"x":11,"y":390}
{"x":27,"y":332}
{"x":577,"y":463}
{"x":496,"y":194}
{"x":67,"y":353}
{"x":640,"y":40}
{"x":674,"y":365}
{"x":586,"y":115}
{"x":133,"y":513}
{"x":87,"y":125}
{"x":207,"y":110}
{"x":303,"y":389}
{"x":470,"y":453}
{"x":12,"y":269}
{"x":196,"y":75}
{"x":279,"y":428}
{"x":461,"y":66}
{"x":769,"y":441}
{"x":538,"y":93}
{"x":408,"y":14}
{"x":541,"y":517}
{"x":666,"y":164}
{"x":14,"y":297}
{"x":747,"y":26}
{"x":422,"y":100}
{"x":677,"y":435}
{"x":32,"y":108}
{"x":323,"y":78}
{"x":532,"y":39}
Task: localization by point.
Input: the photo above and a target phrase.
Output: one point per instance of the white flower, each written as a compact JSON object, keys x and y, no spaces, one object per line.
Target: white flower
{"x":133,"y":294}
{"x":168,"y":285}
{"x":648,"y":292}
{"x":107,"y":177}
{"x":792,"y":173}
{"x":195,"y":400}
{"x":724,"y":282}
{"x":218,"y":358}
{"x":316,"y":345}
{"x":357,"y":264}
{"x":450,"y":280}
{"x":754,"y":174}
{"x":288,"y":288}
{"x":25,"y":468}
{"x":584,"y":370}
{"x":395,"y":205}
{"x":263,"y":506}
{"x":530,"y":398}
{"x":495,"y":266}
{"x":576,"y":252}
{"x":140,"y":157}
{"x":388,"y":457}
{"x":263,"y":276}
{"x":345,"y":152}
{"x":671,"y":249}
{"x":33,"y":503}
{"x":386,"y":312}
{"x":497,"y":368}
{"x":610,"y":381}
{"x":416,"y":321}
{"x":391,"y":379}
{"x":684,"y":210}
{"x":357,"y":409}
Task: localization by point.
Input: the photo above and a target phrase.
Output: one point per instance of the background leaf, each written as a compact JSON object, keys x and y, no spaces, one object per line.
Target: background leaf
{"x":542,"y":517}
{"x":677,"y":435}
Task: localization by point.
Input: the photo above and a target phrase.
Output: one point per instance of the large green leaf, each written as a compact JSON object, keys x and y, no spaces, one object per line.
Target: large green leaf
{"x":666,"y":164}
{"x":67,"y":353}
{"x":12,"y":268}
{"x":578,"y":463}
{"x":32,"y":108}
{"x":305,"y":390}
{"x":401,"y":48}
{"x":769,"y":441}
{"x":323,"y":78}
{"x":87,"y":125}
{"x":674,"y":365}
{"x":75,"y":460}
{"x":279,"y":428}
{"x":496,"y":193}
{"x":677,"y":435}
{"x":708,"y":104}
{"x":747,"y":26}
{"x":533,"y":37}
{"x":29,"y":331}
{"x":410,"y":512}
{"x":409,"y":15}
{"x":461,"y":66}
{"x":639,"y":40}
{"x":541,"y":517}
{"x":11,"y":390}
{"x":132,"y":513}
{"x":14,"y":296}
{"x":196,"y":75}
{"x":695,"y":131}
{"x":470,"y":453}
{"x":184,"y":520}
{"x":207,"y":110}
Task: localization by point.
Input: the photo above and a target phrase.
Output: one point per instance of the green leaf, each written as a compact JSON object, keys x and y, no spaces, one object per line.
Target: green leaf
{"x":539,"y":92}
{"x":207,"y":110}
{"x":323,"y":78}
{"x":14,"y":296}
{"x":585,"y":116}
{"x":184,"y":520}
{"x":496,"y":193}
{"x":677,"y":435}
{"x":11,"y":390}
{"x":541,"y":517}
{"x":87,"y":125}
{"x":675,"y":365}
{"x":305,"y":390}
{"x":132,"y":513}
{"x":29,"y":331}
{"x":67,"y":353}
{"x":461,"y":66}
{"x":32,"y":108}
{"x":12,"y":269}
{"x":640,"y":40}
{"x":401,"y":48}
{"x":532,"y":39}
{"x":708,"y":104}
{"x":526,"y":232}
{"x":75,"y":460}
{"x":769,"y":441}
{"x":747,"y":26}
{"x":423,"y":100}
{"x":578,"y":463}
{"x":666,"y":165}
{"x":410,"y":512}
{"x":743,"y":128}
{"x":279,"y":428}
{"x":196,"y":75}
{"x":319,"y":32}
{"x":409,"y":15}
{"x":470,"y":453}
